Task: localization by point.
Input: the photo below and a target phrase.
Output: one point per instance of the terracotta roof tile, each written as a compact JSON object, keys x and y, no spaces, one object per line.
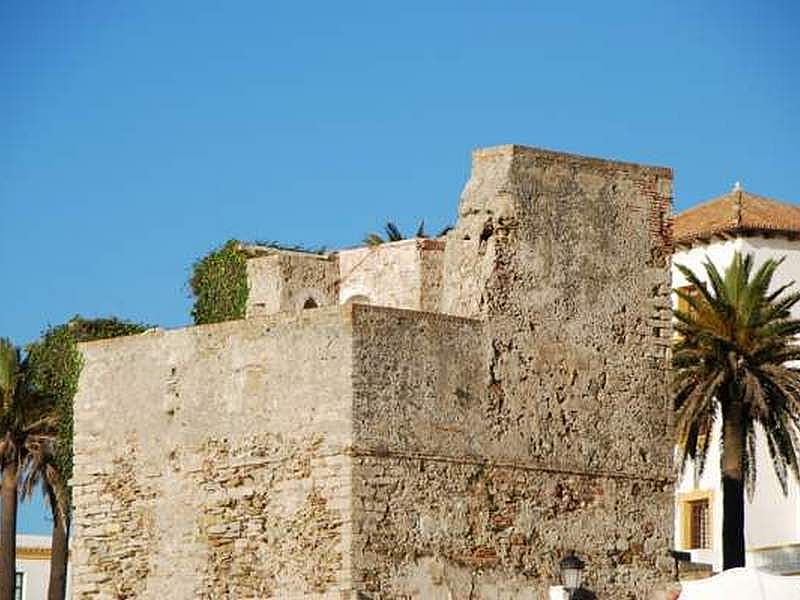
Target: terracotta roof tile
{"x":736,"y":213}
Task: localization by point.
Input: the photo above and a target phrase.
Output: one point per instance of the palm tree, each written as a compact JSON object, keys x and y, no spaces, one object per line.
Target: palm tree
{"x":9,"y":463}
{"x":732,"y":360}
{"x":23,"y":417}
{"x":53,"y":366}
{"x":41,"y":470}
{"x":394,"y":234}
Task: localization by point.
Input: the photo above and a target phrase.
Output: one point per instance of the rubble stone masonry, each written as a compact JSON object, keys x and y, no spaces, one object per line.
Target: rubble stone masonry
{"x":372,"y":452}
{"x":561,"y":437}
{"x":213,"y":461}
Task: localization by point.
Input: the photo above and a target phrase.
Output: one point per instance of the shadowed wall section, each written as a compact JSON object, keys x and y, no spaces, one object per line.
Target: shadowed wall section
{"x":561,"y":437}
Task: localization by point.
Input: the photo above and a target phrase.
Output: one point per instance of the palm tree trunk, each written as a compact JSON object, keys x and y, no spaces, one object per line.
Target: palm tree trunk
{"x":732,"y":464}
{"x":57,"y":587}
{"x":8,"y":531}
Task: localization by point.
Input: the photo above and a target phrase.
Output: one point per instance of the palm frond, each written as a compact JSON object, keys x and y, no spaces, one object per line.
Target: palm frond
{"x":41,"y":471}
{"x":445,"y":230}
{"x":373,"y":239}
{"x":779,"y":459}
{"x":720,"y":290}
{"x":750,"y":461}
{"x":770,"y":298}
{"x":9,"y":371}
{"x":393,"y":233}
{"x":705,"y":442}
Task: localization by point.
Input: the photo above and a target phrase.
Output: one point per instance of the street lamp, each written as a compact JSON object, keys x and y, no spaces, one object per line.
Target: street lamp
{"x":571,"y":568}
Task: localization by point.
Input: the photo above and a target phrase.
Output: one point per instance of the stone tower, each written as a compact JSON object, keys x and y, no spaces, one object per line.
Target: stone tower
{"x":502,"y":400}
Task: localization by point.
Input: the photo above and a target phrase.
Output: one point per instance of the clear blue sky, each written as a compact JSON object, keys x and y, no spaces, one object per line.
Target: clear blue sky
{"x":135,"y":136}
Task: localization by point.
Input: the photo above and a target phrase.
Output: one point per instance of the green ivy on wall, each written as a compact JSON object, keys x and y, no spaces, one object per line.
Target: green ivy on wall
{"x":219,"y":285}
{"x":55,"y":363}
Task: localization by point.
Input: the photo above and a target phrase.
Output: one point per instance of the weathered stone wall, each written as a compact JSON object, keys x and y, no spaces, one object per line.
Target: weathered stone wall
{"x":440,"y":527}
{"x":560,"y":437}
{"x":574,"y":255}
{"x":404,"y":274}
{"x":416,"y":379}
{"x":265,"y":283}
{"x":212,"y":461}
{"x":282,"y":280}
{"x":432,"y":274}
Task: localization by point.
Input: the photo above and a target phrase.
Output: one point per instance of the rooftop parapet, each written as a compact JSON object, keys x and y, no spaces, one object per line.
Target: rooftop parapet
{"x":288,"y":280}
{"x":405,"y":274}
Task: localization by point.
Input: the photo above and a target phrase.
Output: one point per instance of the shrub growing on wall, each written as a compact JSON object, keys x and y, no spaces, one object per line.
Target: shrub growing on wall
{"x":54,"y":363}
{"x":219,"y":285}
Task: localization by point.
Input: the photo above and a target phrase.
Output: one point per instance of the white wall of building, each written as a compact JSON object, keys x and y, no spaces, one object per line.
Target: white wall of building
{"x":33,"y":561}
{"x":771,"y":519}
{"x":35,"y":578}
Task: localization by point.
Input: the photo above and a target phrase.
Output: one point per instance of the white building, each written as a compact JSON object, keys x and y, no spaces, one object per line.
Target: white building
{"x":33,"y":567}
{"x":716,"y":229}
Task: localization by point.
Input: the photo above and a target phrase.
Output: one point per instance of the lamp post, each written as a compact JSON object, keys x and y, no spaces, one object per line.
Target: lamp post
{"x":571,"y":570}
{"x":679,"y":557}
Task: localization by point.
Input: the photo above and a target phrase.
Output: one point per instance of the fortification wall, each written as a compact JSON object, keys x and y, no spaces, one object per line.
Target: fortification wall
{"x":379,"y":453}
{"x":211,"y":461}
{"x":560,"y":438}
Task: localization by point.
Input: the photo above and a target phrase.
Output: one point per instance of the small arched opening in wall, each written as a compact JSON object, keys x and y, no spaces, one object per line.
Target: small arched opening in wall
{"x":308,"y":298}
{"x":358,"y":299}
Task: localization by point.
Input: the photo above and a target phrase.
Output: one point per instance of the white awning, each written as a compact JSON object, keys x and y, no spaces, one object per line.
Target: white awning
{"x":742,"y":584}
